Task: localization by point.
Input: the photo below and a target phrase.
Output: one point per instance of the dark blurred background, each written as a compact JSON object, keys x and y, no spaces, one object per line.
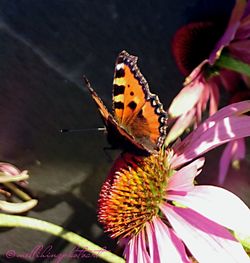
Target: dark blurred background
{"x":45,"y":48}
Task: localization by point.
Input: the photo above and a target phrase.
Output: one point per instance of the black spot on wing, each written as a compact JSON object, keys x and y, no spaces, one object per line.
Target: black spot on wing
{"x":120,"y":73}
{"x":140,"y":116}
{"x":118,"y":89}
{"x":119,"y":105}
{"x":132,"y":105}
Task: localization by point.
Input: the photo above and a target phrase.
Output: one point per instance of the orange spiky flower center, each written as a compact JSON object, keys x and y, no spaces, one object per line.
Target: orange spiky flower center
{"x":132,"y":194}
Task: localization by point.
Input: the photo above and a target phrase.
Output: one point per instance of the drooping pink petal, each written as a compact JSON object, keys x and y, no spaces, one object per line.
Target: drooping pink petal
{"x":229,"y":34}
{"x":205,"y":95}
{"x":240,"y":50}
{"x":225,"y":125}
{"x":182,"y":123}
{"x":165,"y":246}
{"x":152,"y":243}
{"x":244,"y":30}
{"x":186,"y":99}
{"x":143,"y":255}
{"x":214,"y":99}
{"x":228,"y":111}
{"x":240,"y":151}
{"x":225,"y":161}
{"x":207,"y":241}
{"x":247,"y":10}
{"x":183,"y":179}
{"x":9,"y":169}
{"x":130,"y":250}
{"x":135,"y":250}
{"x":230,"y":80}
{"x":202,"y":103}
{"x":235,"y":150}
{"x":219,"y":205}
{"x":223,"y":131}
{"x":179,"y":246}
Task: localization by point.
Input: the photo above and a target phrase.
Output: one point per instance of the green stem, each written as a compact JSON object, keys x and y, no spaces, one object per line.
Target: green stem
{"x":36,"y":224}
{"x":228,"y":62}
{"x":6,"y":178}
{"x":21,"y":194}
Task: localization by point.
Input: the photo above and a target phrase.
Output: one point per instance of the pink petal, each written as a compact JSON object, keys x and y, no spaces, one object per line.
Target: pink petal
{"x":152,"y":243}
{"x":244,"y":30}
{"x":205,"y":95}
{"x":183,"y":122}
{"x":225,"y":125}
{"x":232,"y":27}
{"x":225,"y":162}
{"x":196,"y":74}
{"x":186,"y":99}
{"x":230,"y":110}
{"x":241,"y":50}
{"x":135,"y":250}
{"x":219,"y":205}
{"x":165,"y":246}
{"x":9,"y":169}
{"x":230,"y":80}
{"x":235,"y":150}
{"x":183,"y":180}
{"x":143,"y":255}
{"x":202,"y":103}
{"x":132,"y":249}
{"x":240,"y":151}
{"x":214,"y":98}
{"x":246,"y":80}
{"x":247,"y":10}
{"x":206,"y":240}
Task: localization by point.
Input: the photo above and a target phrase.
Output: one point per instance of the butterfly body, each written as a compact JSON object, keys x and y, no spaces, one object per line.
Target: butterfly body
{"x":138,"y":123}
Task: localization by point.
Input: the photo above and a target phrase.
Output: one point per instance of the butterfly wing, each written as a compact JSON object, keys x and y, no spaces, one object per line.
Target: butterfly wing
{"x":135,"y":108}
{"x":117,"y":136}
{"x":100,"y":105}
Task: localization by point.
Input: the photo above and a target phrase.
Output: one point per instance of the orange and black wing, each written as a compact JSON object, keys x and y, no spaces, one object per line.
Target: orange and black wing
{"x":100,"y":105}
{"x":117,"y":136}
{"x":136,"y":109}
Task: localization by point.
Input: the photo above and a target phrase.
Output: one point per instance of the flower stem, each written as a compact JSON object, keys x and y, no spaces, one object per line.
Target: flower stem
{"x":21,"y":194}
{"x":228,"y":62}
{"x":40,"y":225}
{"x":6,"y":178}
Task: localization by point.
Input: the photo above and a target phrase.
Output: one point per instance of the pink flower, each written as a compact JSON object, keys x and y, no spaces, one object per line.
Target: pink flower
{"x":236,"y":37}
{"x":202,"y":86}
{"x":153,"y":207}
{"x":9,"y":174}
{"x":191,"y":102}
{"x":234,"y":151}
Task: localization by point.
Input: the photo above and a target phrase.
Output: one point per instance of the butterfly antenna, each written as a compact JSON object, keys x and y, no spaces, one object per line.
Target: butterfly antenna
{"x":82,"y":130}
{"x":87,"y":83}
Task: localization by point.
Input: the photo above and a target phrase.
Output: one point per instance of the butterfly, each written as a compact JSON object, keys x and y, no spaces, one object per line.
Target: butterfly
{"x":138,"y":123}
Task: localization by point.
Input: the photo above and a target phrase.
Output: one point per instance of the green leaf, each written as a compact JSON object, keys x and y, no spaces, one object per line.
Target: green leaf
{"x":228,"y":62}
